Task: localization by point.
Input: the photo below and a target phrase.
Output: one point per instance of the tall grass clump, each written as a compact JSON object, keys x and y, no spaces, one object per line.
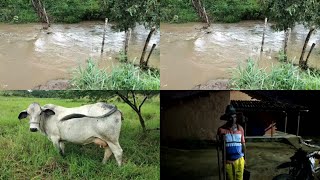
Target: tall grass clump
{"x":249,"y":76}
{"x":285,"y":76}
{"x":127,"y":76}
{"x":122,"y":77}
{"x":89,"y":77}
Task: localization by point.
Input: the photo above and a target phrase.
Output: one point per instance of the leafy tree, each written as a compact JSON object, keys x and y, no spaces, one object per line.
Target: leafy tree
{"x":131,"y":98}
{"x":129,"y":13}
{"x":285,"y":14}
{"x":126,"y":17}
{"x":310,"y":18}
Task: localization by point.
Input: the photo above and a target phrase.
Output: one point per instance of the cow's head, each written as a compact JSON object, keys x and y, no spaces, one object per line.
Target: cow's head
{"x":35,"y":113}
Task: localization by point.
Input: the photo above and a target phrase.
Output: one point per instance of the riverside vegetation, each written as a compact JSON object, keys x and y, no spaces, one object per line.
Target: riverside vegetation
{"x":181,"y":11}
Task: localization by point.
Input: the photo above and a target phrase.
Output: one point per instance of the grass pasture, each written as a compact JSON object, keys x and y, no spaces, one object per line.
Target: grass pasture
{"x":27,"y":155}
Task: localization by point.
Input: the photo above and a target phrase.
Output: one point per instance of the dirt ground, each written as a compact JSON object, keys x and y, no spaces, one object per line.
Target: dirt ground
{"x":262,"y":160}
{"x":58,"y":84}
{"x":220,"y":84}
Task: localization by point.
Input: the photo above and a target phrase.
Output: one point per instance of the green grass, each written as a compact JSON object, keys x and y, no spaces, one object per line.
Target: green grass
{"x":122,"y":77}
{"x":229,"y":11}
{"x":285,"y":76}
{"x":27,"y":155}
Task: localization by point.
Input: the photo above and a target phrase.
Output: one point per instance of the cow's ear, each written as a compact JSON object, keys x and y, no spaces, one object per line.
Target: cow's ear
{"x":48,"y":112}
{"x":23,"y":114}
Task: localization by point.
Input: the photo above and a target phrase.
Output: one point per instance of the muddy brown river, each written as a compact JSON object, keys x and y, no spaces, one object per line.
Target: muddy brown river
{"x":30,"y":56}
{"x":190,"y":56}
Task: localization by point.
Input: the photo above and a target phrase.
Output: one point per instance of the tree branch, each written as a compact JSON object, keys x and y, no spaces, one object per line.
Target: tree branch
{"x":145,"y":98}
{"x":134,"y":98}
{"x":125,"y":99}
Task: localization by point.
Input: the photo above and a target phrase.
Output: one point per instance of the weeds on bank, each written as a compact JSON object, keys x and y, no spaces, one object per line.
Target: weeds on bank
{"x":285,"y":76}
{"x":122,"y":77}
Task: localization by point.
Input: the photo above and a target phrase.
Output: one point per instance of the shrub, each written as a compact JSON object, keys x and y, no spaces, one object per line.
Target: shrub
{"x":122,"y":77}
{"x":90,"y":77}
{"x":285,"y":76}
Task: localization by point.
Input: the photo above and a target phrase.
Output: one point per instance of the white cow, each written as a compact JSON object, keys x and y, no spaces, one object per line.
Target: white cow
{"x":98,"y":123}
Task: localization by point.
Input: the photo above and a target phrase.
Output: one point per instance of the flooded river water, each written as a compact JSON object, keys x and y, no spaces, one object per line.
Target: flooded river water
{"x":190,"y":56}
{"x":30,"y":56}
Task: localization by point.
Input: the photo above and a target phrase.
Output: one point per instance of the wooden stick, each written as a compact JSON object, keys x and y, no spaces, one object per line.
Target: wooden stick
{"x":285,"y":123}
{"x":285,"y":47}
{"x":298,"y":126}
{"x":104,"y":34}
{"x":218,"y":155}
{"x":126,"y":44}
{"x":264,"y":32}
{"x":224,"y":159}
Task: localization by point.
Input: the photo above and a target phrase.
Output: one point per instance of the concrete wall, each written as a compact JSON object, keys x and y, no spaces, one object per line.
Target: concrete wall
{"x":196,"y":118}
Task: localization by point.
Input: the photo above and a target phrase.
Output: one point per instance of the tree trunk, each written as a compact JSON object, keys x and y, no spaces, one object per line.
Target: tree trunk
{"x":153,"y":46}
{"x":41,"y":11}
{"x":142,"y":121}
{"x":126,"y":45}
{"x":305,"y":46}
{"x":196,"y":7}
{"x":306,"y":63}
{"x":104,"y":34}
{"x":146,"y":45}
{"x":46,"y":16}
{"x":264,"y":32}
{"x":285,"y":47}
{"x":201,"y":11}
{"x":206,"y":17}
{"x":134,"y":106}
